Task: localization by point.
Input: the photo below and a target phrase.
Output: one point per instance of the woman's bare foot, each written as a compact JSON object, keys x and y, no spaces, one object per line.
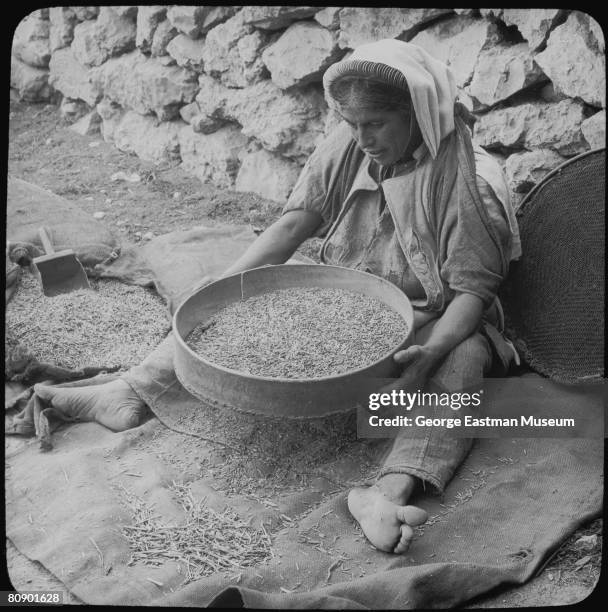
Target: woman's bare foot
{"x":380,"y":510}
{"x":114,"y":404}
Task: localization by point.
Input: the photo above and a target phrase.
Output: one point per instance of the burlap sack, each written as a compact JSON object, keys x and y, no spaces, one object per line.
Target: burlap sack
{"x":30,"y":207}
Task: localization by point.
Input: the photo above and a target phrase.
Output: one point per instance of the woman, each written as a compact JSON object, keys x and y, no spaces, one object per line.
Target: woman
{"x":396,"y":190}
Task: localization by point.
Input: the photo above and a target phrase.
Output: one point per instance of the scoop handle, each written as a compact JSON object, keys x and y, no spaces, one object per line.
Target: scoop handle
{"x":46,"y":243}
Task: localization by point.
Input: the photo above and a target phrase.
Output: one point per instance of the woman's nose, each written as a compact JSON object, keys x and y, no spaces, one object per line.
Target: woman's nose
{"x":364,"y":137}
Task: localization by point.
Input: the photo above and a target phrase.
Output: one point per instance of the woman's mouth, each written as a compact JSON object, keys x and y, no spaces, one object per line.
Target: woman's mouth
{"x":374,"y":153}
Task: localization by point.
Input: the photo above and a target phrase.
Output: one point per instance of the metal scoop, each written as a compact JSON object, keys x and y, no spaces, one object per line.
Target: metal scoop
{"x":59,"y":272}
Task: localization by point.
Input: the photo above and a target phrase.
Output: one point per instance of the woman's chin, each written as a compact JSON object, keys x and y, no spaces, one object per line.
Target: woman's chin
{"x":381,"y":158}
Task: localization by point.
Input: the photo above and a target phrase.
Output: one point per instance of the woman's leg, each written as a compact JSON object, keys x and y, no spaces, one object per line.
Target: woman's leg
{"x":121,"y":403}
{"x":434,"y":454}
{"x":431,"y":456}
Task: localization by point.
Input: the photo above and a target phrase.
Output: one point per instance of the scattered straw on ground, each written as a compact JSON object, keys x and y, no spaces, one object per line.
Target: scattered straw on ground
{"x":301,"y":332}
{"x":207,"y":542}
{"x":112,"y":324}
{"x":261,"y":454}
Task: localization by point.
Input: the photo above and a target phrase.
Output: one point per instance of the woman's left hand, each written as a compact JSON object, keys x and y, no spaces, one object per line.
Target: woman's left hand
{"x":418,"y":362}
{"x":460,"y":319}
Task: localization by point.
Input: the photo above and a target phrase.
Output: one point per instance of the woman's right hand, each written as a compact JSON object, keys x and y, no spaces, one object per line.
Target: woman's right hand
{"x":277,"y":243}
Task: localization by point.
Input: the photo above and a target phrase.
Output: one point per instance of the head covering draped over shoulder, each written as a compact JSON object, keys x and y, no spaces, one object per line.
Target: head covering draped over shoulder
{"x":430,"y":83}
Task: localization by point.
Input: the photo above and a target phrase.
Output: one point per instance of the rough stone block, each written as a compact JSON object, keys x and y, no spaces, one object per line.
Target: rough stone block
{"x":594,"y":130}
{"x":301,"y":54}
{"x":84,"y":13}
{"x":329,"y":17}
{"x":360,"y":25}
{"x":96,"y":41}
{"x":196,"y":21}
{"x":217,"y":15}
{"x":72,"y":109}
{"x":189,"y":111}
{"x":187,"y":52}
{"x":250,"y":45}
{"x":232,"y":52}
{"x":211,"y":99}
{"x":130,"y":12}
{"x":458,"y":43}
{"x":148,"y":138}
{"x":148,"y":18}
{"x":111,"y":114}
{"x":71,"y":78}
{"x":212,"y":96}
{"x":553,"y":126}
{"x":202,"y":124}
{"x":188,"y":19}
{"x":30,"y":83}
{"x":62,"y":21}
{"x":200,"y":121}
{"x":108,"y":109}
{"x":284,"y":122}
{"x":88,"y":125}
{"x":525,"y":169}
{"x":85,"y":46}
{"x":503,"y":71}
{"x":31,"y":41}
{"x":573,"y":62}
{"x":163,"y":35}
{"x":270,"y":176}
{"x":275,"y":17}
{"x":145,"y":85}
{"x":533,"y":24}
{"x":213,"y":158}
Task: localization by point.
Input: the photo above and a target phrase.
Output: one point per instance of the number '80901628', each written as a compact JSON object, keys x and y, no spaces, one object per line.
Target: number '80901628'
{"x":34,"y":597}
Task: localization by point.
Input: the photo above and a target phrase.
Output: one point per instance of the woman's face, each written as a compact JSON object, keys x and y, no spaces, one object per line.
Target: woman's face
{"x":382,"y":135}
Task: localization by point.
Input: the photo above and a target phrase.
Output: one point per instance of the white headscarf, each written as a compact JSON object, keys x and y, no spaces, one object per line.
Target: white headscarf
{"x":430,"y":82}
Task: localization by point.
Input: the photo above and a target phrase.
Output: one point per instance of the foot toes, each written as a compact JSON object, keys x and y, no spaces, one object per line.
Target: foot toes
{"x":412,"y":515}
{"x":407,"y":535}
{"x":44,"y":392}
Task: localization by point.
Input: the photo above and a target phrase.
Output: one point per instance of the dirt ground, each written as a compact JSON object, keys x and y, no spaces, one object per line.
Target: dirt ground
{"x":43,"y":150}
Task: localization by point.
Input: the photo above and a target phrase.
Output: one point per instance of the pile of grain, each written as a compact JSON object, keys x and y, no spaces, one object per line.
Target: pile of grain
{"x":302,"y":332}
{"x":208,"y":541}
{"x":112,"y":324}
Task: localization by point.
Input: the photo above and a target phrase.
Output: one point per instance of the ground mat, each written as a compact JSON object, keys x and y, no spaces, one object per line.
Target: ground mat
{"x":199,"y":503}
{"x":204,"y":505}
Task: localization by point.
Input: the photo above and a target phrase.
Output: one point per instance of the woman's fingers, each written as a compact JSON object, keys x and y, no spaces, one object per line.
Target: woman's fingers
{"x":407,"y":355}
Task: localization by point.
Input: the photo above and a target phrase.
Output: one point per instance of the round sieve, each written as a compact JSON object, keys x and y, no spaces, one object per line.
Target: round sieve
{"x":293,"y":398}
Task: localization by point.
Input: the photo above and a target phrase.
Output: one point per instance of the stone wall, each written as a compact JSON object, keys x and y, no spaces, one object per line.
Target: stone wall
{"x":234,"y":93}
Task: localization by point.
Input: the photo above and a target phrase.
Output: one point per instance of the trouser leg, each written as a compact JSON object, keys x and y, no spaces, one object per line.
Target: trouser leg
{"x":433,"y":455}
{"x":155,"y":374}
